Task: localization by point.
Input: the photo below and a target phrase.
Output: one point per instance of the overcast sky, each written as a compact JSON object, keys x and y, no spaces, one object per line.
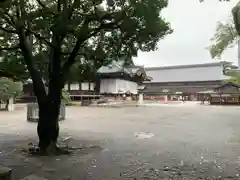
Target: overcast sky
{"x":194,"y":24}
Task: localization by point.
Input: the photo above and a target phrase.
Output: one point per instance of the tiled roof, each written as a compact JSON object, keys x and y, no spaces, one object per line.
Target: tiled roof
{"x":200,"y":72}
{"x":111,"y":68}
{"x":188,"y":66}
{"x":118,"y":66}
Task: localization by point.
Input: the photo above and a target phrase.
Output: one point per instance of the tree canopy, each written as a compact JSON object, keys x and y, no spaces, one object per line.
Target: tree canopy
{"x":235,"y":80}
{"x":227,"y":34}
{"x":94,"y":32}
{"x":9,"y":88}
{"x":225,"y":37}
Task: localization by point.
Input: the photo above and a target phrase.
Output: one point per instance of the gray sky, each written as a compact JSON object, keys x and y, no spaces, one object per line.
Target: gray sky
{"x":194,"y":25}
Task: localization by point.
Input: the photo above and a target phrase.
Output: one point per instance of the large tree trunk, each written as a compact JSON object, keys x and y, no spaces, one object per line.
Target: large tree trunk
{"x":48,"y":127}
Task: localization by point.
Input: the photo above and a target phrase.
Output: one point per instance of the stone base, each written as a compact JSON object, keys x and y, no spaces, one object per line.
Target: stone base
{"x":33,"y":177}
{"x":5,"y":173}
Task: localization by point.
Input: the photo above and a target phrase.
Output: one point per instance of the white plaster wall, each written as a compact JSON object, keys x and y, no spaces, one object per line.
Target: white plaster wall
{"x":115,"y":86}
{"x":85,"y":86}
{"x":74,"y":86}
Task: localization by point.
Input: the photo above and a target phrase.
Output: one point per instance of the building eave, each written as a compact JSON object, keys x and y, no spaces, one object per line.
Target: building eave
{"x":187,"y":66}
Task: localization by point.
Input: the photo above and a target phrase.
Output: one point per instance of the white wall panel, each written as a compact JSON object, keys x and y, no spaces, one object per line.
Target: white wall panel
{"x":116,"y":86}
{"x":74,"y":87}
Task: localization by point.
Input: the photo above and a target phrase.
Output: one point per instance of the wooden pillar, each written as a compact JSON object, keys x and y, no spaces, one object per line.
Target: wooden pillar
{"x":220,"y":98}
{"x":89,"y":86}
{"x":80,"y":86}
{"x":97,"y":85}
{"x":69,"y":86}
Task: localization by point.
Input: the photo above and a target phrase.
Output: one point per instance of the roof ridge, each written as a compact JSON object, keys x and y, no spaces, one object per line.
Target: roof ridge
{"x":186,"y":66}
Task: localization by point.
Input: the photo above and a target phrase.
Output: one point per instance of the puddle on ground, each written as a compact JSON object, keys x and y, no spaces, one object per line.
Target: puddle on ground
{"x":143,"y":135}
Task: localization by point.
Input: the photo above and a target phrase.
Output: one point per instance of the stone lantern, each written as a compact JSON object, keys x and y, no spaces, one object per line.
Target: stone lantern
{"x":140,"y":94}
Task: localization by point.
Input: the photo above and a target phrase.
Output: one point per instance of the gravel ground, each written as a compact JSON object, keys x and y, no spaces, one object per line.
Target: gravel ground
{"x":153,"y":142}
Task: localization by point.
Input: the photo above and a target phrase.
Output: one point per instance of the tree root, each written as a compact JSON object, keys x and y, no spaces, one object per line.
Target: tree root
{"x":52,"y":150}
{"x":56,"y":150}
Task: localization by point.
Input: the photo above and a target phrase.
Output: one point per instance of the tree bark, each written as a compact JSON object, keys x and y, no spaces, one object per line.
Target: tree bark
{"x":48,"y":126}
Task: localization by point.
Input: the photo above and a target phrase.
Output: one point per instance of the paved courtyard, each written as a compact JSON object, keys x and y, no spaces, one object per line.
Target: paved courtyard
{"x":160,"y":142}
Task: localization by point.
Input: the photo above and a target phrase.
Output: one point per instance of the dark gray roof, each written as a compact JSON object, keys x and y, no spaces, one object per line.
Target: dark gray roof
{"x":187,"y":73}
{"x":111,"y":68}
{"x":118,"y":66}
{"x":187,"y":66}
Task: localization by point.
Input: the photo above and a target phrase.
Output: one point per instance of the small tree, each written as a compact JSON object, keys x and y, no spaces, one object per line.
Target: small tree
{"x":225,"y":37}
{"x":235,"y":79}
{"x":66,"y":97}
{"x":9,"y":89}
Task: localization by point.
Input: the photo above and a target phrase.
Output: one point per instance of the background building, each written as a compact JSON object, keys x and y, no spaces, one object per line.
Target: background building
{"x":184,"y":80}
{"x":173,"y":81}
{"x":117,"y":78}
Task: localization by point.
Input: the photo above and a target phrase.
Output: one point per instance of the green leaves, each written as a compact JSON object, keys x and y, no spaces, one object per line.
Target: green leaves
{"x":225,"y":37}
{"x":12,"y":66}
{"x":107,"y":30}
{"x":235,"y":80}
{"x":10,"y":88}
{"x":66,"y":99}
{"x":236,"y":17}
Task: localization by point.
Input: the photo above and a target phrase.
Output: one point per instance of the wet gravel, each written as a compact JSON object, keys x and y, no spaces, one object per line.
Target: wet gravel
{"x":165,"y":142}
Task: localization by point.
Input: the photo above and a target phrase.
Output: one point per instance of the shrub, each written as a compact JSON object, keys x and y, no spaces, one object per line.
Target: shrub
{"x":9,"y":88}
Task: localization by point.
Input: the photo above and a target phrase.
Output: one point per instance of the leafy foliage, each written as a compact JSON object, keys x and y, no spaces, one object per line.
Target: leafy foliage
{"x":105,"y":30}
{"x":13,"y":67}
{"x":235,"y":80}
{"x":236,"y":20}
{"x":225,"y":37}
{"x":9,"y":88}
{"x":66,"y":97}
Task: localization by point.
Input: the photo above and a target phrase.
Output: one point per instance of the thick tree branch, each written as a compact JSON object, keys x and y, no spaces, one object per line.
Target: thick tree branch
{"x":236,"y":16}
{"x":69,"y":53}
{"x":9,"y":48}
{"x":59,"y":5}
{"x":67,"y":13}
{"x":9,"y":75}
{"x":39,"y":37}
{"x":70,"y":61}
{"x":38,"y":84}
{"x":105,"y":16}
{"x":8,"y":30}
{"x":45,"y":7}
{"x":59,"y":33}
{"x":7,"y":17}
